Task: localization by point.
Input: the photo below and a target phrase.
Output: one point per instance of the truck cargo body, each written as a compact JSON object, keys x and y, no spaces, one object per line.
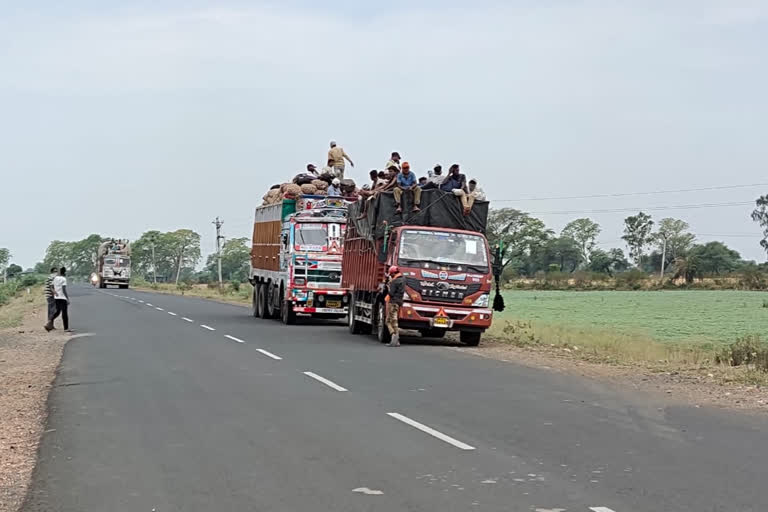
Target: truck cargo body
{"x":447,"y":270}
{"x":113,"y":264}
{"x":296,"y":259}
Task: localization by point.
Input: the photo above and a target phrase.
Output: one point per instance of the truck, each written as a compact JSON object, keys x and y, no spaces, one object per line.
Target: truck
{"x":113,"y":264}
{"x":442,"y":254}
{"x":296,"y":258}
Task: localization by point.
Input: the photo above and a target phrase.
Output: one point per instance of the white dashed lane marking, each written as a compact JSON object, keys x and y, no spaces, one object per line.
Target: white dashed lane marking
{"x":600,"y":509}
{"x":445,"y":438}
{"x":269,"y":354}
{"x":186,"y":319}
{"x":207,"y":327}
{"x":233,"y":338}
{"x":325,"y":381}
{"x":172,"y":313}
{"x":160,"y":309}
{"x":148,"y":304}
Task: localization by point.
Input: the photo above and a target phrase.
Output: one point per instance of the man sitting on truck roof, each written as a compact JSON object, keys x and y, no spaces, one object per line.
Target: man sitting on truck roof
{"x":469,"y":196}
{"x":334,"y":189}
{"x":394,"y":161}
{"x":406,"y":180}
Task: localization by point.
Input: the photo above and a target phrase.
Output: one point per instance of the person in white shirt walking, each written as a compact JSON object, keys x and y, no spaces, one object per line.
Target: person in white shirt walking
{"x":61,"y":299}
{"x":49,"y":293}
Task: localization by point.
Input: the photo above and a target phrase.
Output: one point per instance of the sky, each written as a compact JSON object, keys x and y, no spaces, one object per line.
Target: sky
{"x":119,"y":119}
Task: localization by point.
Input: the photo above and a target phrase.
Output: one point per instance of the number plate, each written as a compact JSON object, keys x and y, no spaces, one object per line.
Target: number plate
{"x":441,"y":321}
{"x":333,"y":303}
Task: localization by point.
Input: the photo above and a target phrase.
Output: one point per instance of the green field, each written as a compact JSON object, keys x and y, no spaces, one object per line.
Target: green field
{"x":667,"y":316}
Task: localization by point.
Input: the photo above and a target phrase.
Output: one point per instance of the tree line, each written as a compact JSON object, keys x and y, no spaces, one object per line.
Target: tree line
{"x":156,"y":256}
{"x":528,"y":247}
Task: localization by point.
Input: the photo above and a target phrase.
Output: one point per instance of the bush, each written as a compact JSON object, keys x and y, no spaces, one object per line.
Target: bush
{"x":235,"y":284}
{"x":749,"y":350}
{"x":632,"y":279}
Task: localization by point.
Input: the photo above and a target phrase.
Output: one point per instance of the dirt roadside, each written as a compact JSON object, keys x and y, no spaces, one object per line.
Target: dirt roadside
{"x":29,"y":357}
{"x":697,"y":386}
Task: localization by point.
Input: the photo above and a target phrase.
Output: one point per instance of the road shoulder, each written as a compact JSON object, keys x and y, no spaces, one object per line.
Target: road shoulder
{"x":29,"y":358}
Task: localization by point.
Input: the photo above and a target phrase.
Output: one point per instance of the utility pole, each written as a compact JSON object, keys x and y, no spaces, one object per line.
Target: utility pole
{"x":154,"y":265}
{"x":218,"y":224}
{"x":663,"y":257}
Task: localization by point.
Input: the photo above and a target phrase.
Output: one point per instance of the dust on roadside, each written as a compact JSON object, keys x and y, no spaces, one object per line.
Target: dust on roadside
{"x":697,"y":386}
{"x":29,"y":357}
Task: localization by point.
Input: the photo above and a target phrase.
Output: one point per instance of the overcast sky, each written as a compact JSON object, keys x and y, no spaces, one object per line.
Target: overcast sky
{"x":116,"y":120}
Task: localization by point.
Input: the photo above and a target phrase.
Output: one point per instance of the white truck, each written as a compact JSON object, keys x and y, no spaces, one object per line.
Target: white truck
{"x":113,"y":264}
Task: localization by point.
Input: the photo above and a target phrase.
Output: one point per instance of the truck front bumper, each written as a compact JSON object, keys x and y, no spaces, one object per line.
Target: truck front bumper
{"x":320,"y":302}
{"x":452,"y":318}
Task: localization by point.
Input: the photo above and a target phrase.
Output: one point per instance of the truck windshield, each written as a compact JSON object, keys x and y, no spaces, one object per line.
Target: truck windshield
{"x":110,"y":261}
{"x":423,"y":247}
{"x":311,"y":237}
{"x":124,"y":262}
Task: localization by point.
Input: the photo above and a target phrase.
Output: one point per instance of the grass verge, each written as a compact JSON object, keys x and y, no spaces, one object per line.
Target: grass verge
{"x":241,"y":295}
{"x":744,"y":361}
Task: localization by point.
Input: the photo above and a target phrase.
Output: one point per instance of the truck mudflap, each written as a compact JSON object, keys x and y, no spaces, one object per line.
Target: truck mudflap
{"x":413,"y":315}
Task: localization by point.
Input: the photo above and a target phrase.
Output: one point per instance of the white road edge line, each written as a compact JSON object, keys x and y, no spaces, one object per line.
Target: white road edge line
{"x":415,"y":424}
{"x":600,"y":509}
{"x":187,"y":319}
{"x":325,"y":381}
{"x":172,"y":313}
{"x":160,"y":309}
{"x":207,"y":327}
{"x":233,"y":338}
{"x":269,"y":354}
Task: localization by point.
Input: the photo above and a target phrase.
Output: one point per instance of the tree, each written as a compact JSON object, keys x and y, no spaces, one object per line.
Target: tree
{"x":715,"y":258}
{"x":637,"y":234}
{"x":235,"y":259}
{"x":5,"y":256}
{"x":584,"y":232}
{"x":608,"y":262}
{"x":760,"y":215}
{"x":144,"y":253}
{"x":13,"y":270}
{"x":673,"y":240}
{"x":519,"y":235}
{"x":564,"y":252}
{"x":184,"y":245}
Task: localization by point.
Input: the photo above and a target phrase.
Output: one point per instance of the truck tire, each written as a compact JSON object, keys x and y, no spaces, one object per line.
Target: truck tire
{"x":382,"y":333}
{"x":255,"y":301}
{"x":470,"y":338}
{"x":287,"y":315}
{"x":123,"y":286}
{"x":264,"y":311}
{"x":432,"y":333}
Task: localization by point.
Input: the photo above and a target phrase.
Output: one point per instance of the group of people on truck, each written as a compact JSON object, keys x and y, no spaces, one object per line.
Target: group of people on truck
{"x":398,"y":178}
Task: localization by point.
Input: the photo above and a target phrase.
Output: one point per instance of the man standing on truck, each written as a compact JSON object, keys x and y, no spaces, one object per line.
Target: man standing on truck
{"x":406,"y":180}
{"x":394,"y":300}
{"x":336,"y":156}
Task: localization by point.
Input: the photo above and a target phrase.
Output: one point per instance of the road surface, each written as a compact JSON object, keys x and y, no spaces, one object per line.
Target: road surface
{"x":179,"y":404}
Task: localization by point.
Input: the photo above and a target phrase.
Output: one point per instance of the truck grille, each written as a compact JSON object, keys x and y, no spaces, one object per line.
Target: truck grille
{"x":442,"y":291}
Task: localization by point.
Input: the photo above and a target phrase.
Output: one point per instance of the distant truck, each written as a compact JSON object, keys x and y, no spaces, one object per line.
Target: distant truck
{"x":113,"y":264}
{"x":442,"y":254}
{"x":296,"y":258}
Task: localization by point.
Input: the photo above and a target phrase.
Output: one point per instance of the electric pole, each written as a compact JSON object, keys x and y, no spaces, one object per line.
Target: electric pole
{"x":219,"y":236}
{"x":663,"y":257}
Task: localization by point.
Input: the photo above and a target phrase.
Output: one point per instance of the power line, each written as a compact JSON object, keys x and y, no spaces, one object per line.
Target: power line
{"x":646,"y":208}
{"x":627,"y":194}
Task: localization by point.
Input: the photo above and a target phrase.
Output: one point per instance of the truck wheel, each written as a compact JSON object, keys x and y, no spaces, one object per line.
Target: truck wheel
{"x":287,"y":315}
{"x":382,"y":332}
{"x":255,"y":301}
{"x":433,"y":333}
{"x":263,"y":306}
{"x":123,"y":286}
{"x":470,"y":338}
{"x":355,"y":326}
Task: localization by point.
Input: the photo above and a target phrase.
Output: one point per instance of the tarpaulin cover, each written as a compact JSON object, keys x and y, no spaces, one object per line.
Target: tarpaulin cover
{"x":438,"y":209}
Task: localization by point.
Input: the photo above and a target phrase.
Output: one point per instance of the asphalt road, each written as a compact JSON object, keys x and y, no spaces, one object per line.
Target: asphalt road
{"x":179,"y":404}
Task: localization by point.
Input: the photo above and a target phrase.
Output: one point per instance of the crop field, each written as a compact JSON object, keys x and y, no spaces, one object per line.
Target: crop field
{"x":692,"y":317}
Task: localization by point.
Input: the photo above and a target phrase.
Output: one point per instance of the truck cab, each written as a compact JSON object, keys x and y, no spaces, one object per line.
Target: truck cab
{"x":447,"y":280}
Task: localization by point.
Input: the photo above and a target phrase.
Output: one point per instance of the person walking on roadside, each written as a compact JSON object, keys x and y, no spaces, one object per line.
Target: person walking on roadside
{"x":394,"y":299}
{"x":49,"y":294}
{"x":61,"y":298}
{"x":336,"y":156}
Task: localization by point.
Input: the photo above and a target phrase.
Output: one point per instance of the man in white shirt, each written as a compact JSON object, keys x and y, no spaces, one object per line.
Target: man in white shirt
{"x":61,"y":299}
{"x":468,"y":197}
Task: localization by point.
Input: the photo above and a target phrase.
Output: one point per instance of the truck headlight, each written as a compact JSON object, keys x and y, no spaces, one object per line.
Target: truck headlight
{"x":481,"y":302}
{"x":300,"y":281}
{"x":321,"y":298}
{"x":345,"y":299}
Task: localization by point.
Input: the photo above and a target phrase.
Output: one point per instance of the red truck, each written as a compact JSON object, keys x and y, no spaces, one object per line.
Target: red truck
{"x":442,"y":254}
